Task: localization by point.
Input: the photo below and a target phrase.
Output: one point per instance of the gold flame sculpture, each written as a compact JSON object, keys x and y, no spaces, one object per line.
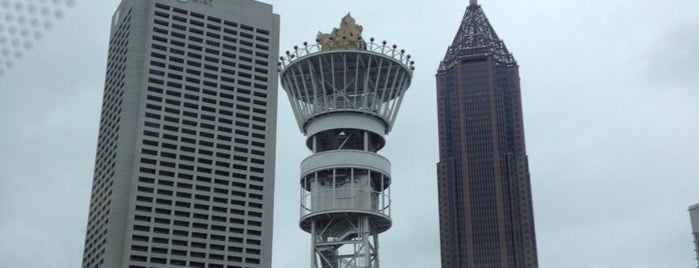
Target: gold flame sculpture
{"x":348,"y":36}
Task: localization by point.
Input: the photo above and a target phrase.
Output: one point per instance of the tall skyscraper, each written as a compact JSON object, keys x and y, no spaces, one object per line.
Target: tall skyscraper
{"x":345,"y":94}
{"x":485,"y":204}
{"x":184,"y":173}
{"x":694,"y":215}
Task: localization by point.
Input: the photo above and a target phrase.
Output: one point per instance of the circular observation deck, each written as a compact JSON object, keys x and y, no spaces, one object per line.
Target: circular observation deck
{"x":370,"y":80}
{"x":345,"y":184}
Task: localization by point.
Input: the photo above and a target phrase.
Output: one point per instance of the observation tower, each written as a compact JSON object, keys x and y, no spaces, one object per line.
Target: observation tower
{"x":345,"y":94}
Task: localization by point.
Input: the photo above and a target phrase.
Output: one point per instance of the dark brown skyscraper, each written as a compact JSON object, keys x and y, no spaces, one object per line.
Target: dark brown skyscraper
{"x":485,"y":205}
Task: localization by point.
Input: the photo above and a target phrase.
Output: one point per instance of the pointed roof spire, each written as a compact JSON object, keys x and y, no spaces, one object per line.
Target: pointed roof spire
{"x":476,"y":36}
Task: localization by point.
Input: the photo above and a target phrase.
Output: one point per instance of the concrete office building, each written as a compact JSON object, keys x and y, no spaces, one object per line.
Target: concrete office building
{"x":485,"y":204}
{"x":184,"y":172}
{"x":694,"y":215}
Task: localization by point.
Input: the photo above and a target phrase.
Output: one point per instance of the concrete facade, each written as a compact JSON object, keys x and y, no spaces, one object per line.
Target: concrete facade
{"x":184,"y":171}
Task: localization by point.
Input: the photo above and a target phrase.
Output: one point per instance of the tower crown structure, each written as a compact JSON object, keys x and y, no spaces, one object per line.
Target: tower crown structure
{"x":475,"y":36}
{"x":345,"y":93}
{"x":341,"y":73}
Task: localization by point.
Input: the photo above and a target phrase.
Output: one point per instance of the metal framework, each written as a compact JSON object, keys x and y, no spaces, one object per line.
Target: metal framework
{"x":345,"y":101}
{"x":475,"y":36}
{"x":370,"y":81}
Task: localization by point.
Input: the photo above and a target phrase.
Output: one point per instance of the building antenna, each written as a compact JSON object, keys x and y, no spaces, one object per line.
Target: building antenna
{"x":474,"y":2}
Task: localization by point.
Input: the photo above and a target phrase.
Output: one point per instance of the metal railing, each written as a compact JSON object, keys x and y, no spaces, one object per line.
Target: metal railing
{"x":379,"y":48}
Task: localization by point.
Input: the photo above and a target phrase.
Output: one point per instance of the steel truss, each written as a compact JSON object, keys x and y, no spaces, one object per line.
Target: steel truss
{"x":347,"y":242}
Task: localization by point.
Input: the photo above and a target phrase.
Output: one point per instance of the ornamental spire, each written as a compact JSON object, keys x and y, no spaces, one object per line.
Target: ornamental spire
{"x":476,"y":37}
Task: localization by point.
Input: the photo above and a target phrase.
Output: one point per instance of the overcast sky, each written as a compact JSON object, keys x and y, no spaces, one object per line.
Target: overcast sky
{"x":611,"y":111}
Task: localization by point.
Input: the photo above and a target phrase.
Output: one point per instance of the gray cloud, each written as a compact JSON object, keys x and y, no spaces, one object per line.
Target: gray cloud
{"x":670,"y":62}
{"x":23,"y":23}
{"x":611,"y":136}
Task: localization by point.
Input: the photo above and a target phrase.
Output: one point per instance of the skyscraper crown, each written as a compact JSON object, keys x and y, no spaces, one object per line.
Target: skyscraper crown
{"x":476,"y":36}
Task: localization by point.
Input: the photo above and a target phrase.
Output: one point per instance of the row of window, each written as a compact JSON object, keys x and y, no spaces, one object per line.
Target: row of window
{"x":193,"y":264}
{"x":200,"y":178}
{"x":230,"y":230}
{"x":209,"y":19}
{"x":194,"y":253}
{"x":182,"y":168}
{"x":192,"y":68}
{"x":194,"y":91}
{"x":203,"y":161}
{"x":203,"y":184}
{"x":172,"y":83}
{"x":204,"y":147}
{"x":189,"y":135}
{"x":223,"y":133}
{"x":192,"y":114}
{"x":209,"y":97}
{"x":209,"y":46}
{"x":224,"y":82}
{"x":205,"y":208}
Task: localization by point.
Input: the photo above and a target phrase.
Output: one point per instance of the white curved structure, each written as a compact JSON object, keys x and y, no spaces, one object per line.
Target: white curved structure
{"x":345,"y":101}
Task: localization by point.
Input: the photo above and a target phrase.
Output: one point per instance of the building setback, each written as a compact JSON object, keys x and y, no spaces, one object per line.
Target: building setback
{"x":485,"y":205}
{"x":184,"y":172}
{"x":694,"y":216}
